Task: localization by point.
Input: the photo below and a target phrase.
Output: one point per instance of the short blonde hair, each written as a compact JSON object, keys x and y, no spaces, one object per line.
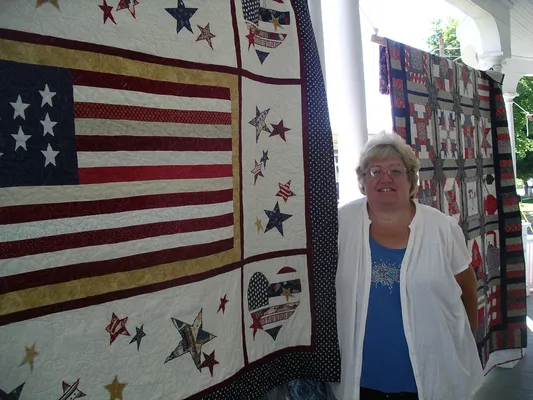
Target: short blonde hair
{"x":385,"y":146}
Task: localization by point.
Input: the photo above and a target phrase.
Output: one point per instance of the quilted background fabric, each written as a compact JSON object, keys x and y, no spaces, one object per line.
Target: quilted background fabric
{"x":454,"y":118}
{"x":168,"y":206}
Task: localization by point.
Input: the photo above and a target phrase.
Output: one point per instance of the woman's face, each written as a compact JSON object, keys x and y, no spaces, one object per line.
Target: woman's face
{"x":387,"y":182}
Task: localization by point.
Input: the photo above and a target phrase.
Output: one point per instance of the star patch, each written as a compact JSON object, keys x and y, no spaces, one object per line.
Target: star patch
{"x":106,"y":9}
{"x":258,"y":224}
{"x":183,"y":15}
{"x":13,"y":395}
{"x":276,"y":219}
{"x":259,"y":122}
{"x":138,"y":336}
{"x":257,"y":171}
{"x":287,"y":293}
{"x":251,"y":38}
{"x":48,"y":125}
{"x":20,"y":108}
{"x":117,"y":327}
{"x":280,"y":130}
{"x":223,"y":302}
{"x":21,"y":139}
{"x":129,"y":5}
{"x":71,"y":392}
{"x":193,"y":337}
{"x":47,"y":96}
{"x":209,"y":362}
{"x":52,"y":2}
{"x":285,"y":191}
{"x":206,"y":35}
{"x":265,"y":158}
{"x":49,"y":155}
{"x":30,"y":357}
{"x":115,"y":389}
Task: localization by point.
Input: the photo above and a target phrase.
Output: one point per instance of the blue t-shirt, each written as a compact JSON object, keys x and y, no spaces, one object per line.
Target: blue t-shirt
{"x":386,"y":363}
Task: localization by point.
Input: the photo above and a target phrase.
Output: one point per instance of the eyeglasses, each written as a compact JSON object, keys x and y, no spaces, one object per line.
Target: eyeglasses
{"x":394,"y":172}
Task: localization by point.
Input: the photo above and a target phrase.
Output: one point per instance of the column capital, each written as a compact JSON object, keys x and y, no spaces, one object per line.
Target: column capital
{"x":509,"y":96}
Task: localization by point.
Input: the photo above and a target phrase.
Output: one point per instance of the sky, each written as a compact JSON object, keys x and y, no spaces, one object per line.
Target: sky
{"x":406,"y":21}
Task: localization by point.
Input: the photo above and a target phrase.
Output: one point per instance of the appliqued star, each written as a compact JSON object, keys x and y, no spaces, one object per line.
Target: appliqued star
{"x":223,"y":302}
{"x":287,"y":293}
{"x":193,"y":338}
{"x":107,"y":10}
{"x":13,"y":395}
{"x":20,"y":139}
{"x":275,"y":22}
{"x":50,"y":156}
{"x":285,"y":191}
{"x":258,"y":224}
{"x":256,"y":324}
{"x":20,"y":108}
{"x":257,"y":171}
{"x":117,"y":327}
{"x":71,"y":392}
{"x":138,"y":336}
{"x":52,"y":2}
{"x":276,"y":219}
{"x":209,"y":362}
{"x":265,"y":158}
{"x":280,"y":130}
{"x":30,"y":357}
{"x":183,"y":15}
{"x":47,"y":96}
{"x":251,"y":38}
{"x":259,"y":122}
{"x":129,"y":5}
{"x":48,"y":125}
{"x":115,"y":389}
{"x":206,"y":35}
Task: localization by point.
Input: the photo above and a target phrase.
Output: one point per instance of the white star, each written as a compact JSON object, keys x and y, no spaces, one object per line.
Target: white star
{"x":48,"y":125}
{"x":21,"y":139}
{"x":20,"y":108}
{"x":50,"y":155}
{"x":47,"y":96}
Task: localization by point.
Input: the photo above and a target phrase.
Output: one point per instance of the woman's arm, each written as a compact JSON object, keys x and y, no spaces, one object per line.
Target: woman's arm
{"x":468,"y":283}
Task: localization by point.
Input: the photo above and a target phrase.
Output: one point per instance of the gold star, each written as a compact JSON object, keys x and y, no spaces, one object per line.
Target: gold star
{"x":275,"y":22}
{"x":52,"y":2}
{"x":115,"y":389}
{"x":259,"y":224}
{"x":287,"y":294}
{"x":30,"y":357}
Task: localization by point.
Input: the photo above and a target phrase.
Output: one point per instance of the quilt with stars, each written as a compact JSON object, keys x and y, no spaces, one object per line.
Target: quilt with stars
{"x":167,"y":200}
{"x":455,"y":120}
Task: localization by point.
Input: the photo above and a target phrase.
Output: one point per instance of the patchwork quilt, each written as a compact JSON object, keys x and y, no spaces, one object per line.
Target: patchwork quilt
{"x":167,"y":200}
{"x":454,"y":118}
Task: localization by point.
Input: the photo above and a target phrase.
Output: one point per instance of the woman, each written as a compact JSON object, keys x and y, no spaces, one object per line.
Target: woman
{"x":406,"y":293}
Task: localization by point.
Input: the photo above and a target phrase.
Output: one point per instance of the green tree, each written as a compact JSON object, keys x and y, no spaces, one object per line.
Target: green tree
{"x":445,"y":29}
{"x":524,"y":143}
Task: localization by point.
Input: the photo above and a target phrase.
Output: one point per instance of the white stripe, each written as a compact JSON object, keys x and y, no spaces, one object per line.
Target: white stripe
{"x":120,"y":127}
{"x":87,"y":94}
{"x":151,"y":158}
{"x":62,"y":258}
{"x":26,"y":195}
{"x":36,"y":229}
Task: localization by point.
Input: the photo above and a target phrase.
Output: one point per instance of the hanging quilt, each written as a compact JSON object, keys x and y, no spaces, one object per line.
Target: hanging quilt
{"x":167,"y":200}
{"x":454,"y":118}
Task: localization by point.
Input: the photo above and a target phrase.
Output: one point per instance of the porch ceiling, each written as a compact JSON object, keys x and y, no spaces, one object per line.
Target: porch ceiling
{"x":522,"y":29}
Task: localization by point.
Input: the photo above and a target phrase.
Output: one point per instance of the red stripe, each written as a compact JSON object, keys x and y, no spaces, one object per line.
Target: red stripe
{"x":514,"y":247}
{"x":508,"y":175}
{"x":506,"y":163}
{"x":516,"y":274}
{"x":510,"y":202}
{"x":121,"y":82}
{"x":481,"y":86}
{"x":484,"y":98}
{"x":131,"y":143}
{"x":40,"y":212}
{"x":86,"y":270}
{"x":148,"y":114}
{"x":19,"y":248}
{"x":153,"y":173}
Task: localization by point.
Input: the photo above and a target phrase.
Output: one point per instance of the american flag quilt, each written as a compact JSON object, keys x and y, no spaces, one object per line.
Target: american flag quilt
{"x":167,"y":200}
{"x":454,"y":118}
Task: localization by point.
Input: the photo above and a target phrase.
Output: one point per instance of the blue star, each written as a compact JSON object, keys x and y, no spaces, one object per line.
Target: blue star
{"x":138,"y":336}
{"x":276,"y":219}
{"x":182,"y":15}
{"x":13,"y":395}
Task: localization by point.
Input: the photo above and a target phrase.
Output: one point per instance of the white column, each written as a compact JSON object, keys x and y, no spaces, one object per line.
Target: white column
{"x":346,"y":89}
{"x":508,"y":98}
{"x":315,"y":10}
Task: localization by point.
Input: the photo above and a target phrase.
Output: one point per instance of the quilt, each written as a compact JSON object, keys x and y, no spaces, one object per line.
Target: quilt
{"x":455,"y":120}
{"x":168,"y":211}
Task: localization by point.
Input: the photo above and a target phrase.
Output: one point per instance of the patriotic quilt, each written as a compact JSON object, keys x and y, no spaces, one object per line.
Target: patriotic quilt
{"x":454,"y":118}
{"x":167,"y":200}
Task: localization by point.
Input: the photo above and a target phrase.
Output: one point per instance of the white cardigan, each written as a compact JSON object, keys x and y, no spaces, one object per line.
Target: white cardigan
{"x":442,"y":348}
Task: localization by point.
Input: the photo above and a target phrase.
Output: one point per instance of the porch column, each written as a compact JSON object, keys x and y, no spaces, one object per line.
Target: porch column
{"x":509,"y":98}
{"x":346,"y":89}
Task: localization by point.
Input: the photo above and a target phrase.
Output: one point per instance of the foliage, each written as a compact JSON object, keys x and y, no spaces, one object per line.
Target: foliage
{"x":444,"y":28}
{"x":524,"y":143}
